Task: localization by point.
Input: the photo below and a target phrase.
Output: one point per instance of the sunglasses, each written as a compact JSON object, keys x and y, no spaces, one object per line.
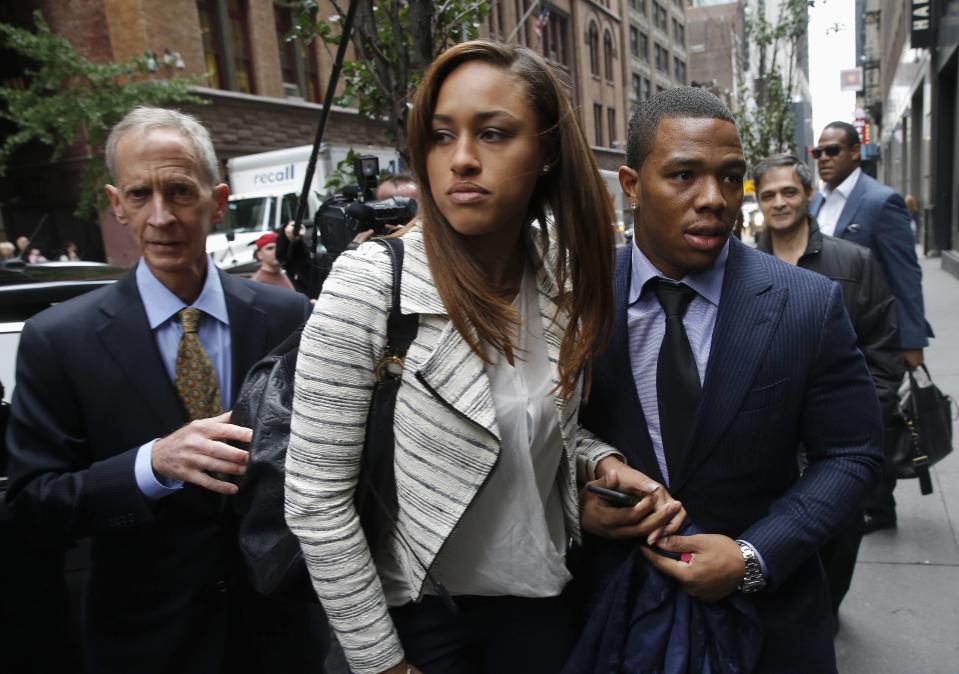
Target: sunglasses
{"x":829,"y":150}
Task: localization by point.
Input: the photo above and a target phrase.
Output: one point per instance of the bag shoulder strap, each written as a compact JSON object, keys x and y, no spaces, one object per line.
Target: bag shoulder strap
{"x":400,"y":329}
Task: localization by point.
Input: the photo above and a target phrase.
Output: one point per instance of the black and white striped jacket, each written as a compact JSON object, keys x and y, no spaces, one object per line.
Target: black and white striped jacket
{"x":447,"y":440}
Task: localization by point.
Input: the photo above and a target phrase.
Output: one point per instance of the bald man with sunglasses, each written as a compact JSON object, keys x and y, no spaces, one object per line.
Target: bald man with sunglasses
{"x":853,"y":206}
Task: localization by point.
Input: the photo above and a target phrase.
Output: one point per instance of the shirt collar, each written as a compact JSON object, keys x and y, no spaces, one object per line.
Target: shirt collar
{"x":707,"y":282}
{"x":161,"y":304}
{"x":845,"y":187}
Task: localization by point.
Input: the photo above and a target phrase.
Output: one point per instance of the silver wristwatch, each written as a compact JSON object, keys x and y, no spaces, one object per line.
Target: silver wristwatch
{"x":753,"y":581}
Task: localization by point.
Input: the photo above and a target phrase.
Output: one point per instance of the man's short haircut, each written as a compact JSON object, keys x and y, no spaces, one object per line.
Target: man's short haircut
{"x":852,"y":136}
{"x":779,"y":161}
{"x":400,"y":178}
{"x":693,"y":102}
{"x":143,"y":119}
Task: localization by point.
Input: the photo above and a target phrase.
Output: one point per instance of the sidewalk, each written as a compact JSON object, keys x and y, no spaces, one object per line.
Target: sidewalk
{"x":902,"y":611}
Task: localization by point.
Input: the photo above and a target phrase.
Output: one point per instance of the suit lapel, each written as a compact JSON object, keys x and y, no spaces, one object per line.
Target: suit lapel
{"x":452,"y":371}
{"x":816,"y":204}
{"x":126,"y":335}
{"x":852,"y":206}
{"x":614,"y":373}
{"x":749,"y":311}
{"x":248,"y":328}
{"x":639,"y":452}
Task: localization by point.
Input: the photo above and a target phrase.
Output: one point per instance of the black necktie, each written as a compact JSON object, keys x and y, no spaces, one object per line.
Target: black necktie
{"x":677,"y":378}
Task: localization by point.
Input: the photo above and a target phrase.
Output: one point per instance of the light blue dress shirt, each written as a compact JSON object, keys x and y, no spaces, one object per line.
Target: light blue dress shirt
{"x":162,"y":307}
{"x":647,"y":327}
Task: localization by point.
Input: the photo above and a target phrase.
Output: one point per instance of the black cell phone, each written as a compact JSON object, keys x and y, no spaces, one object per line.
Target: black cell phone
{"x":613,"y":497}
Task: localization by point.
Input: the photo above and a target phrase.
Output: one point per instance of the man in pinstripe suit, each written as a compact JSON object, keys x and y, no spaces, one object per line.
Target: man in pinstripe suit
{"x":777,"y":368}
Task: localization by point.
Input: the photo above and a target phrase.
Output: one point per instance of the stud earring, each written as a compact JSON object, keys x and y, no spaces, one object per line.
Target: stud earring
{"x":632,"y":205}
{"x":546,"y":168}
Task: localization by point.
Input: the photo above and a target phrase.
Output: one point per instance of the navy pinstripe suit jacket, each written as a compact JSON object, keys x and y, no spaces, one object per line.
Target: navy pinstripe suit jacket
{"x":783,"y":372}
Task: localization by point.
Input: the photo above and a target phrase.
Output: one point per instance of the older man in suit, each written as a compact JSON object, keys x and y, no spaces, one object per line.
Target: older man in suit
{"x":853,"y":206}
{"x":118,"y":429}
{"x":723,"y":362}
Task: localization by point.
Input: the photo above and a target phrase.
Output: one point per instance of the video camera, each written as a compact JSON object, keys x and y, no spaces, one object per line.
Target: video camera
{"x":354,"y":210}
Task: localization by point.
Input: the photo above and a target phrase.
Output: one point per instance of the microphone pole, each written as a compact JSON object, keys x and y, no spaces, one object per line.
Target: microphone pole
{"x":325,"y":113}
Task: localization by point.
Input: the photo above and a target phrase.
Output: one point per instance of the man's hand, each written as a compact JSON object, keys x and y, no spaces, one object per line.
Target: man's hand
{"x":657,"y":513}
{"x":290,"y":234}
{"x":715,"y":571}
{"x":363,"y":237}
{"x":195,"y":450}
{"x":913,"y":357}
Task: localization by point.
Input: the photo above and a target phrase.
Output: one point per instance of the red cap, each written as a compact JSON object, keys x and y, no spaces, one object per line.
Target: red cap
{"x":266,"y":239}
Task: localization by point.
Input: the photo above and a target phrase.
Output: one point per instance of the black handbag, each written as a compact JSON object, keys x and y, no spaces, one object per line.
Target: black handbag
{"x":270,"y":551}
{"x":922,"y":432}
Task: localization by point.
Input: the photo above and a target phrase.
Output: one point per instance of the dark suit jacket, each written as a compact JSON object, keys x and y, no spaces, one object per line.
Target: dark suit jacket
{"x":783,"y":370}
{"x":91,"y":389}
{"x":875,"y":216}
{"x":869,"y":303}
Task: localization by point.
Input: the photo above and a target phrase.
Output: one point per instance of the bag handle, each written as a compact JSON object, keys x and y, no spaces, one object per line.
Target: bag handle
{"x":910,"y":417}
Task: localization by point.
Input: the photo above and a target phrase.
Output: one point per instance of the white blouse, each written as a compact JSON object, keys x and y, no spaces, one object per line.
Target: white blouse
{"x":512,"y":539}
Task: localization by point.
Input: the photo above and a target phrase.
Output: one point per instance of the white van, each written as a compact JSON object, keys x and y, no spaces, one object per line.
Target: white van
{"x":265,"y":190}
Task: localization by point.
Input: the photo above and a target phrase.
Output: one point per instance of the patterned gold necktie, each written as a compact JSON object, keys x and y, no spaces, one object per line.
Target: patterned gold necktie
{"x":195,"y":377}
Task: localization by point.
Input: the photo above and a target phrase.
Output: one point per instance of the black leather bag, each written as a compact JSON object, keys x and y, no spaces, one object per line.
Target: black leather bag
{"x":922,"y":433}
{"x":271,"y":553}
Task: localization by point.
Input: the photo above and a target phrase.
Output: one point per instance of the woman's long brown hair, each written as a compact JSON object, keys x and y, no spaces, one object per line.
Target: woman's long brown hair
{"x":572,"y":194}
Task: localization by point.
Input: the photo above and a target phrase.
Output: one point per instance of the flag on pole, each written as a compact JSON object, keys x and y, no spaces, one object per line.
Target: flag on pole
{"x":542,"y":21}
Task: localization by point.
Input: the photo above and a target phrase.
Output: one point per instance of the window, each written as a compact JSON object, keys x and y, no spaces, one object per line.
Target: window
{"x":554,"y":38}
{"x":592,"y":42}
{"x":642,"y":7}
{"x":288,"y":55}
{"x":611,"y":123}
{"x":634,"y":41}
{"x":213,"y":54}
{"x":658,"y":89}
{"x":311,"y":74}
{"x":679,"y":70}
{"x":679,"y":33}
{"x":598,"y":123}
{"x":637,"y":87}
{"x":298,"y":64}
{"x":239,"y":29}
{"x":646,"y":89}
{"x":608,"y":55}
{"x":662,"y":59}
{"x":660,"y":17}
{"x":644,"y":46}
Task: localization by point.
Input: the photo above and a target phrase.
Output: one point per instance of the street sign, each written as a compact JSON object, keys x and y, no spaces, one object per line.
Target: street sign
{"x":921,"y":22}
{"x":850,"y":80}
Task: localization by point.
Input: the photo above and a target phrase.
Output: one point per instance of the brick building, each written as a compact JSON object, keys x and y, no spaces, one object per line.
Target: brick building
{"x":583,"y":38}
{"x":264,"y":94}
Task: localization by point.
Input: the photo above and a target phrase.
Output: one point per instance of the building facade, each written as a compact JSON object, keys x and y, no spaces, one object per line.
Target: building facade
{"x":655,"y":33}
{"x":910,"y":57}
{"x":263,"y":93}
{"x":716,"y":48}
{"x":583,"y":38}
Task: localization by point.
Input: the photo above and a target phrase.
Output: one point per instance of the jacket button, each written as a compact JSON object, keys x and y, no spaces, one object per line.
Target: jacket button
{"x":221,"y":586}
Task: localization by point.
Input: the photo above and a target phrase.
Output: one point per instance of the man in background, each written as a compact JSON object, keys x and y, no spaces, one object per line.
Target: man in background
{"x":784,"y":187}
{"x":855,"y":207}
{"x":270,"y":271}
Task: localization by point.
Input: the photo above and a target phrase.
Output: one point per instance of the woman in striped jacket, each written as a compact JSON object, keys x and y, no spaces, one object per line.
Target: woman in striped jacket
{"x":509,"y":268}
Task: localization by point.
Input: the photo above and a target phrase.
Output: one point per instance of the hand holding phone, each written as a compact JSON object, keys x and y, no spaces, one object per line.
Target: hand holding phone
{"x":615,"y":498}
